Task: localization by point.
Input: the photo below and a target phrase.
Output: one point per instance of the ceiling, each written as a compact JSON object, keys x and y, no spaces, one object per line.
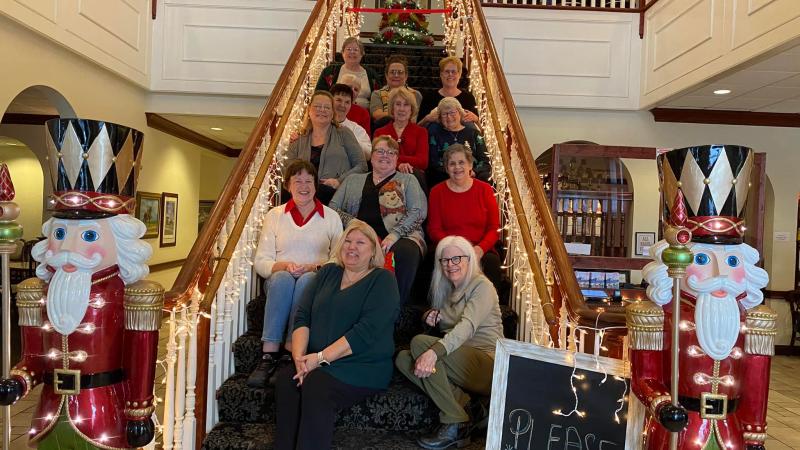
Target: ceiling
{"x":767,"y":84}
{"x":32,"y":101}
{"x":234,"y":133}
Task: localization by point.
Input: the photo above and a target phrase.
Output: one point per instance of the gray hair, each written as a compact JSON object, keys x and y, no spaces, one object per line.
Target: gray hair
{"x":450,"y":103}
{"x":441,"y":287}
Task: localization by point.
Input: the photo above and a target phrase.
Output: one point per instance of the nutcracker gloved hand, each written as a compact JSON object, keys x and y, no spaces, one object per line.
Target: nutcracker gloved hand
{"x":140,"y":432}
{"x":674,"y":418}
{"x":10,"y":391}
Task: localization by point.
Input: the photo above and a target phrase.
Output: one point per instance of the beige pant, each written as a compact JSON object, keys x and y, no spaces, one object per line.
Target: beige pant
{"x":466,"y":368}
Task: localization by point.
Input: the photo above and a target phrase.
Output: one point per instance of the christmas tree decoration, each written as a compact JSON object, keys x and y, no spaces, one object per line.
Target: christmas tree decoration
{"x":404,"y":27}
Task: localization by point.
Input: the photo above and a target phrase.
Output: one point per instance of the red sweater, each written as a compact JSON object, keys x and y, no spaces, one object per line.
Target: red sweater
{"x":472,"y":214}
{"x":360,"y":115}
{"x":413,"y":144}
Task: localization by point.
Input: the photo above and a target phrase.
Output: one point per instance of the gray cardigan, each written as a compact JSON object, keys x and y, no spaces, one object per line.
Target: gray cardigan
{"x":403,"y":211}
{"x":341,"y":154}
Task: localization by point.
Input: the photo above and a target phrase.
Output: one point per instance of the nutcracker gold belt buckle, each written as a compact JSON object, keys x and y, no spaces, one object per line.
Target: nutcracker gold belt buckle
{"x":713,"y":406}
{"x":66,"y":381}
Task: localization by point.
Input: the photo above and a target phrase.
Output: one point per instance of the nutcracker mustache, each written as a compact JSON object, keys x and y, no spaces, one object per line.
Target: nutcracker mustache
{"x":716,"y":319}
{"x":68,"y":293}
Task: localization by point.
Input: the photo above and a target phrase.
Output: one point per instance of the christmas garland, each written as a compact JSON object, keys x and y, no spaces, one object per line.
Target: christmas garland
{"x":404,"y":27}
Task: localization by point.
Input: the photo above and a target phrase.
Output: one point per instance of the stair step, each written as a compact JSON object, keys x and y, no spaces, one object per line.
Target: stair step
{"x":246,"y":352}
{"x":260,"y":436}
{"x":401,"y":407}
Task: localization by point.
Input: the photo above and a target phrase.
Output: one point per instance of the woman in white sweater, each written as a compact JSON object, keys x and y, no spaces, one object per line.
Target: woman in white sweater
{"x":295,"y":241}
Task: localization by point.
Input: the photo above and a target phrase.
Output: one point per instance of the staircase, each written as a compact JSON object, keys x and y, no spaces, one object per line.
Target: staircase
{"x":215,"y":307}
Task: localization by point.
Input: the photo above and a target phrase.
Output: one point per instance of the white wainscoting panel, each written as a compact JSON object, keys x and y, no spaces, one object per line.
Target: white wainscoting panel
{"x":689,"y":42}
{"x":753,"y":18}
{"x":568,"y":59}
{"x":683,"y":36}
{"x":112,"y":33}
{"x":236,"y":47}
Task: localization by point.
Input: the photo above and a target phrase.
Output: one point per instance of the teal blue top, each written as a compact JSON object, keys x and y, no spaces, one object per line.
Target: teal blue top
{"x":364,"y":313}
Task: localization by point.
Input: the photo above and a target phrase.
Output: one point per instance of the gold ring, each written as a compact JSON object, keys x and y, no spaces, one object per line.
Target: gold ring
{"x":434,"y":370}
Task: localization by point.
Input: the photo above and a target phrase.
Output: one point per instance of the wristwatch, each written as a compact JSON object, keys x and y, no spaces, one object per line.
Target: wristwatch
{"x":321,"y":361}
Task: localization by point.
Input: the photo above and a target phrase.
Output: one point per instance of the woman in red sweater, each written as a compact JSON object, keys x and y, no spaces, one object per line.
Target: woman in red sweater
{"x":413,"y":139}
{"x":464,"y":206}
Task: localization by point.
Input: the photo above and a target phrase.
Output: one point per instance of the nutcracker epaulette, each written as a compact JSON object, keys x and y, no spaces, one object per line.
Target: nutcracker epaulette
{"x":761,"y":328}
{"x":645,"y":322}
{"x":30,"y":300}
{"x":144,"y":301}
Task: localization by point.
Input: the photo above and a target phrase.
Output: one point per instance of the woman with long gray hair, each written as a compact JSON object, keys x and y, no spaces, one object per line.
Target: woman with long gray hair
{"x":465,"y":308}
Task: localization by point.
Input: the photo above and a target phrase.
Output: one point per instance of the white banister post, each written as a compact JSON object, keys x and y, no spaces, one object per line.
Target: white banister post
{"x":169,"y":393}
{"x":180,"y":382}
{"x":191,"y":377}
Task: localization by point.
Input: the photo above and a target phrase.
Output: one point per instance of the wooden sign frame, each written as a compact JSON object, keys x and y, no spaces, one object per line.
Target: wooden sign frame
{"x":507,"y":348}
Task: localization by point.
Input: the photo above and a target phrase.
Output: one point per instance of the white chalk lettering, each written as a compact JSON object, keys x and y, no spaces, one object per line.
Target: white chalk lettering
{"x":573,"y":439}
{"x":551,"y":438}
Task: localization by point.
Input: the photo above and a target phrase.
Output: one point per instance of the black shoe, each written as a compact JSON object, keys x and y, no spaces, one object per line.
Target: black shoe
{"x":283,"y":361}
{"x":479,"y":415}
{"x":446,"y":436}
{"x":263,"y":372}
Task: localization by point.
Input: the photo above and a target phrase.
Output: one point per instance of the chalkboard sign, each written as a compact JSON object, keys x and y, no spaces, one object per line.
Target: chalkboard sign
{"x":534,"y":401}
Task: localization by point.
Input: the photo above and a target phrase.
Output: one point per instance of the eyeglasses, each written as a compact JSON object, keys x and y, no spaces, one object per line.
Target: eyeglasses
{"x":450,"y":72}
{"x":352,"y":49}
{"x":397,"y":72}
{"x":455,"y":260}
{"x":449,"y":113}
{"x":321,"y":107}
{"x":382,"y":152}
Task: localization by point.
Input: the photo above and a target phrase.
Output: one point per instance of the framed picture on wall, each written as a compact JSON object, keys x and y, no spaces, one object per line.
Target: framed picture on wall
{"x":203,"y":212}
{"x":148,"y":210}
{"x":169,"y":219}
{"x":644,"y":239}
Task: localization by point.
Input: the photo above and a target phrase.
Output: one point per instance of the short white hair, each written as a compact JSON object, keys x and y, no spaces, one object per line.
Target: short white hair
{"x":660,"y":284}
{"x":132,"y":251}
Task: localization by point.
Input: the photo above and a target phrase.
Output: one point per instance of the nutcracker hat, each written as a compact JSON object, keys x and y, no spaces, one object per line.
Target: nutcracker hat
{"x":714,"y":181}
{"x":94,"y":166}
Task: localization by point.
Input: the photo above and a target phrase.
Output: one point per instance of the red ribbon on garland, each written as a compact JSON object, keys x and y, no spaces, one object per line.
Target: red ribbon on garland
{"x":397,"y":10}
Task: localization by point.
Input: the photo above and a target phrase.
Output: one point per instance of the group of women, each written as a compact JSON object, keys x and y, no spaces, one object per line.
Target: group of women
{"x":328,"y":255}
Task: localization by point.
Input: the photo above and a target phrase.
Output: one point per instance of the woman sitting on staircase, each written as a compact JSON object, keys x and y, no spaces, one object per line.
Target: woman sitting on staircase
{"x":413,"y":139}
{"x":342,"y":344}
{"x":352,"y":53}
{"x":332,"y":149}
{"x":451,"y":130}
{"x":396,"y":76}
{"x":295,"y":240}
{"x":450,"y":74}
{"x":466,"y":310}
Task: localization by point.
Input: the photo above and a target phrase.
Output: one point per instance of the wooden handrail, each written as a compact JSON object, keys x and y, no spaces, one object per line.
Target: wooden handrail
{"x":538,"y":277}
{"x":577,"y":308}
{"x":200,"y":254}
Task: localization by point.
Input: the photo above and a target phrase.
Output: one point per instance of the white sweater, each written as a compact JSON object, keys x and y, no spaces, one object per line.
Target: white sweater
{"x":282,"y":240}
{"x":361,"y":136}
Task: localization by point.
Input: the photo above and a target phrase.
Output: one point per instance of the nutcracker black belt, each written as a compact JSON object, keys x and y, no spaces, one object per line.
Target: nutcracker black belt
{"x":710,"y":406}
{"x":70,"y":382}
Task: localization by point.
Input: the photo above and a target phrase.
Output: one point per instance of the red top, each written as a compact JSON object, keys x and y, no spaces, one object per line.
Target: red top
{"x":360,"y":115}
{"x":472,"y":214}
{"x":291,"y":207}
{"x":413,"y":144}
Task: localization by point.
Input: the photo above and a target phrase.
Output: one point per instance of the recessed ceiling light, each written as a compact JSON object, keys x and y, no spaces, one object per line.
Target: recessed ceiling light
{"x":216,"y":128}
{"x":722,"y":91}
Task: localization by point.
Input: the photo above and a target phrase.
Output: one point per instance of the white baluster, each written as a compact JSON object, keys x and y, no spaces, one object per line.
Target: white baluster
{"x":189,"y":424}
{"x":180,"y":382}
{"x":169,"y":393}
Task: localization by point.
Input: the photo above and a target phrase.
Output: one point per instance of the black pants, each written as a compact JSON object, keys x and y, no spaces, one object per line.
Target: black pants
{"x":490,"y":264}
{"x":306,"y":415}
{"x":406,"y":261}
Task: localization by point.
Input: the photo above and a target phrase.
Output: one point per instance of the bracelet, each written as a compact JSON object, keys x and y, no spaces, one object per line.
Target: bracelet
{"x":321,"y":361}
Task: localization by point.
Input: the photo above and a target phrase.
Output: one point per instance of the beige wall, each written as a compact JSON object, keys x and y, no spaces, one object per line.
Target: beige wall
{"x":544,"y":127}
{"x":27,"y":176}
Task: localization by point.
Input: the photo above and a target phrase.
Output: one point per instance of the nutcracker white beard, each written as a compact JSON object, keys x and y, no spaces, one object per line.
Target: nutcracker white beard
{"x":68,"y":292}
{"x":717,"y":322}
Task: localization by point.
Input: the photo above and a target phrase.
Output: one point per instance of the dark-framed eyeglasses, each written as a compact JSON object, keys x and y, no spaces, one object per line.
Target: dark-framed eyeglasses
{"x":454,"y":260}
{"x":382,"y":152}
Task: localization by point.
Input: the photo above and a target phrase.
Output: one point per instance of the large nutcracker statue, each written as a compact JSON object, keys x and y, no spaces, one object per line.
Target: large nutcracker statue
{"x":725,"y":336}
{"x":89,"y":322}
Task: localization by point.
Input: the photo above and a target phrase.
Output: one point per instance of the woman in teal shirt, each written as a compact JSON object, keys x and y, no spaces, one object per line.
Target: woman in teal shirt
{"x":342,"y":344}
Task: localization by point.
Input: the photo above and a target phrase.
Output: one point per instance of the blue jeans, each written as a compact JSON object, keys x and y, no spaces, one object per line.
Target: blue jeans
{"x":283,"y":293}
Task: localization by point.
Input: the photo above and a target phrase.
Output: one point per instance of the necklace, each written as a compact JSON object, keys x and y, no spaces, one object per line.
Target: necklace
{"x":455,"y":135}
{"x":351,"y":281}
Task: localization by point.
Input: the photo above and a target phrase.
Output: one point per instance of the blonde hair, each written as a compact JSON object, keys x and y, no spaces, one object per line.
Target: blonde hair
{"x":306,"y":128}
{"x":364,"y":228}
{"x":353,"y":40}
{"x":441,"y":287}
{"x":406,"y":94}
{"x":450,"y":60}
{"x":390,"y":142}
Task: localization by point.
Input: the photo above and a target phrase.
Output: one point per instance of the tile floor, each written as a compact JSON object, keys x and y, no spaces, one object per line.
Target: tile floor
{"x":783,"y":415}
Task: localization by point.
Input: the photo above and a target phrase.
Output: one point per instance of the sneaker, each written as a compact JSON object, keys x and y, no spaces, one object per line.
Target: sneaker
{"x":263,"y":372}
